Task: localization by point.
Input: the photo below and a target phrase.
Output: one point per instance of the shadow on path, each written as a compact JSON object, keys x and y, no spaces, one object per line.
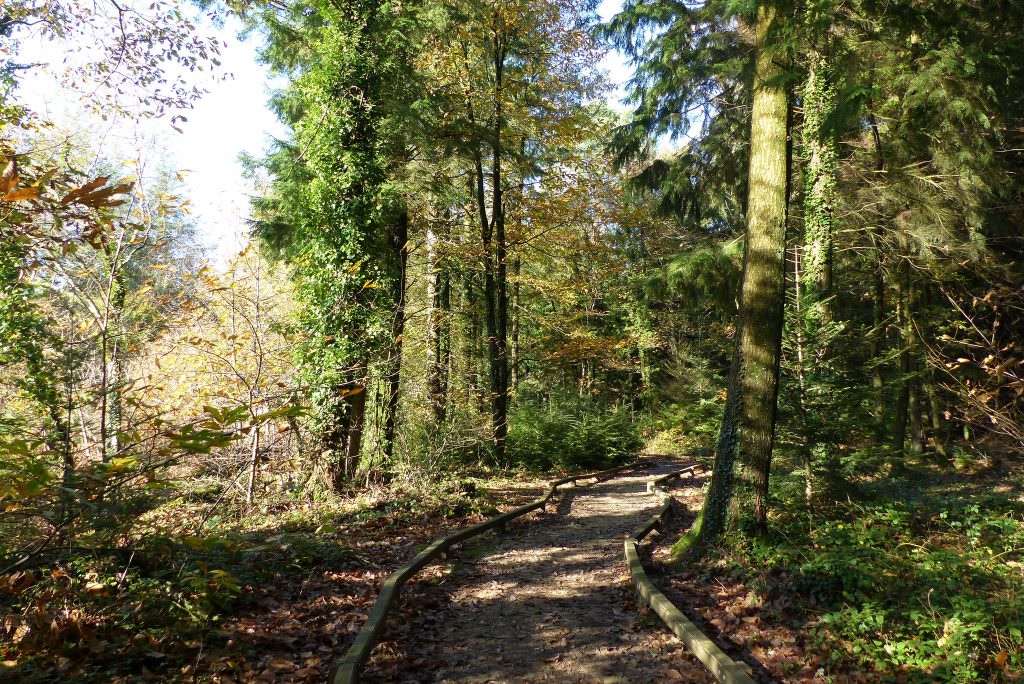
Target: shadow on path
{"x":549,"y":601}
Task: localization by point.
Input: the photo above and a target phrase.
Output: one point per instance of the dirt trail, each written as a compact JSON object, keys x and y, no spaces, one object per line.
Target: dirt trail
{"x":549,"y":601}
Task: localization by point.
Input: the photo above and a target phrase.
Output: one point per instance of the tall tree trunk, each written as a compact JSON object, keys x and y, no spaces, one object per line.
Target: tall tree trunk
{"x":444,"y":340}
{"x":822,"y":153}
{"x":472,"y":350}
{"x":764,"y":272}
{"x":499,"y":346}
{"x":903,"y":313}
{"x":60,"y":439}
{"x":748,"y":423}
{"x":117,"y":383}
{"x":400,"y":248}
{"x":492,"y":238}
{"x":104,"y":388}
{"x":878,"y":331}
{"x":517,"y":370}
{"x":809,"y":442}
{"x":813,"y":260}
{"x":116,"y":375}
{"x":436,"y":313}
{"x":718,"y":498}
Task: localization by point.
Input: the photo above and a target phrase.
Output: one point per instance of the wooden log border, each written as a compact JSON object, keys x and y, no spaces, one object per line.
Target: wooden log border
{"x":724,"y":668}
{"x":348,"y":669}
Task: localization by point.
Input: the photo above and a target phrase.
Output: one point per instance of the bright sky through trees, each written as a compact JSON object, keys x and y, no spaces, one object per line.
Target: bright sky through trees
{"x":232,"y":119}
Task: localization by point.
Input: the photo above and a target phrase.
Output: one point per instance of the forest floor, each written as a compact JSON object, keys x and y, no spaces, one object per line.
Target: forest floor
{"x":549,"y":601}
{"x":727,"y":609}
{"x":917,"y":579}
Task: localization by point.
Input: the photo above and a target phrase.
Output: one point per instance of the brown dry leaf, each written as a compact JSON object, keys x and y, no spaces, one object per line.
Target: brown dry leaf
{"x":22,"y":194}
{"x":84,"y":190}
{"x":281,"y":664}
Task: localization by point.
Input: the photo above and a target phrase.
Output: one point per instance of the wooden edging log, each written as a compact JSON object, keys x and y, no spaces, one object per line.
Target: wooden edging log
{"x":348,"y":669}
{"x":724,"y":668}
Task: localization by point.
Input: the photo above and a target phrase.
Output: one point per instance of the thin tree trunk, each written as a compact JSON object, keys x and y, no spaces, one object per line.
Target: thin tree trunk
{"x":474,"y":393}
{"x":902,"y":412}
{"x":878,"y":334}
{"x":517,"y":370}
{"x":117,"y":382}
{"x":808,"y":446}
{"x":400,"y":241}
{"x":499,"y":347}
{"x":104,"y":388}
{"x":916,"y":426}
{"x":444,"y":341}
{"x":61,"y":417}
{"x":354,"y":438}
{"x":937,"y":423}
{"x":436,"y":314}
{"x":254,"y":464}
{"x":296,"y":431}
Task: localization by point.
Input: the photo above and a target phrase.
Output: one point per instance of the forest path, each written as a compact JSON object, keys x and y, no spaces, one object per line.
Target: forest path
{"x":549,"y":601}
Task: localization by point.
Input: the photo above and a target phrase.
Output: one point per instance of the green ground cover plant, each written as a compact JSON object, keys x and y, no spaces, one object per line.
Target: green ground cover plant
{"x":927,"y":587}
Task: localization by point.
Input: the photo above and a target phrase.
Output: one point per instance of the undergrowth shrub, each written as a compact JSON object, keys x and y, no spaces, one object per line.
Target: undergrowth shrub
{"x":680,"y":428}
{"x":571,"y":435}
{"x":931,"y":592}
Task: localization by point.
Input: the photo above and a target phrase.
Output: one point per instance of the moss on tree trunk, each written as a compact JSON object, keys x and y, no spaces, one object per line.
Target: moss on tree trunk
{"x":748,"y":424}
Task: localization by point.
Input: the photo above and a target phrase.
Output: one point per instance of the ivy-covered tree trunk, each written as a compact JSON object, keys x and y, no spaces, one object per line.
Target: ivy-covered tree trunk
{"x":813,"y":259}
{"x":748,"y":423}
{"x":718,"y":497}
{"x":822,"y":162}
{"x":332,"y":432}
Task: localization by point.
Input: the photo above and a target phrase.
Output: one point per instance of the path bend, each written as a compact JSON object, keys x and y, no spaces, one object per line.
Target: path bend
{"x":549,"y":601}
